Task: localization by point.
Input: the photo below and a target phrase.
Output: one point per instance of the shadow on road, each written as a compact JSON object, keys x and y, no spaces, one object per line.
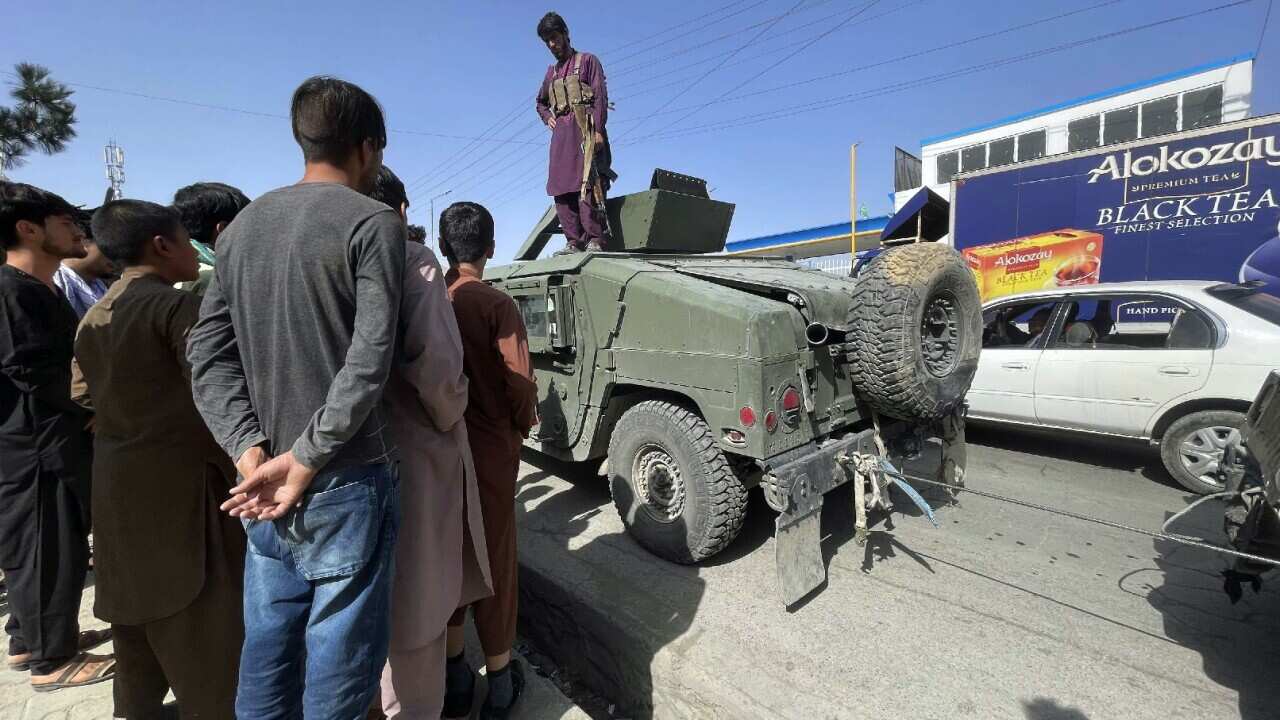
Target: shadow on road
{"x":1238,"y":644}
{"x":571,"y":611}
{"x":1129,"y":456}
{"x":1049,"y":709}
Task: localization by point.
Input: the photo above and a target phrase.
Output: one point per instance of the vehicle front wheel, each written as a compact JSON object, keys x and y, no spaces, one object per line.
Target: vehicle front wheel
{"x":671,"y":483}
{"x":1192,"y":448}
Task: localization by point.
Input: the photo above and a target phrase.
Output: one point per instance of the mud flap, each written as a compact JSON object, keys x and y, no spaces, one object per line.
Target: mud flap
{"x":798,"y":552}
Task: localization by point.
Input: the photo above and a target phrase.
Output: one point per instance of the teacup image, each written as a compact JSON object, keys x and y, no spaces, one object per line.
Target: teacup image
{"x":1078,"y":270}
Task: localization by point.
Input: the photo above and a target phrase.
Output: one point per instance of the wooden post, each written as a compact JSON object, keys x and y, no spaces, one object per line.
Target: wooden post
{"x":853,"y":201}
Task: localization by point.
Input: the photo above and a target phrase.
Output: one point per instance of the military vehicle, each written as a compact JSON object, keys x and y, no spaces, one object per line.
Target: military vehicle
{"x":699,"y":376}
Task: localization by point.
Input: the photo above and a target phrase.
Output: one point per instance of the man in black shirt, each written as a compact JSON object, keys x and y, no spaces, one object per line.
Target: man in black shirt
{"x":44,"y":451}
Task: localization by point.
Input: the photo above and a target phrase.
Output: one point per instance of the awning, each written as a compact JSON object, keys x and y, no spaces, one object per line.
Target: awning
{"x":925,"y":216}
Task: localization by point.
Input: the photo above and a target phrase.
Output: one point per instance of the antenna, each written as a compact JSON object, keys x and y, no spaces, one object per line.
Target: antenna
{"x":114,"y":157}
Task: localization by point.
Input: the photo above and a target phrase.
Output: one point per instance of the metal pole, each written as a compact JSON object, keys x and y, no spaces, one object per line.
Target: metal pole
{"x":853,"y":201}
{"x":431,"y":221}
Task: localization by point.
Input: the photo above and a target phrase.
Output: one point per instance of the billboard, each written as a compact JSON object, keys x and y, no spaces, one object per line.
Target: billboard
{"x":1199,"y":205}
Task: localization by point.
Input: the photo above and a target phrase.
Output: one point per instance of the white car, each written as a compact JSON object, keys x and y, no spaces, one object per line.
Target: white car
{"x":1176,"y":363}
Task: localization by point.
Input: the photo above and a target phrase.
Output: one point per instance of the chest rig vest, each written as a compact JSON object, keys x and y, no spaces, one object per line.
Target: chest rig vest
{"x":569,"y":94}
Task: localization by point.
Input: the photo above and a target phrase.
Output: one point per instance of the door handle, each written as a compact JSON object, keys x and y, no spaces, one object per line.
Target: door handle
{"x":1014,"y":366}
{"x":1175,"y":370}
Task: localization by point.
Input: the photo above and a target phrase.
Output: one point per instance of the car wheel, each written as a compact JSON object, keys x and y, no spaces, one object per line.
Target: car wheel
{"x":1192,"y":448}
{"x":672,"y":484}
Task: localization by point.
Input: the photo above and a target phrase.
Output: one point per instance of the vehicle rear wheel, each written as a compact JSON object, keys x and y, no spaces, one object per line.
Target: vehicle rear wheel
{"x":916,"y":323}
{"x":1192,"y":448}
{"x":671,"y":483}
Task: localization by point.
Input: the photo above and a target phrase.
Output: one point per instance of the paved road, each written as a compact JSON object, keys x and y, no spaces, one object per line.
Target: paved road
{"x":1002,"y":613}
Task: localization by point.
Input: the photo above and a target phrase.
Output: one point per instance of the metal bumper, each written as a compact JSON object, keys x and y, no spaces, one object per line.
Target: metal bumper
{"x":795,"y":482}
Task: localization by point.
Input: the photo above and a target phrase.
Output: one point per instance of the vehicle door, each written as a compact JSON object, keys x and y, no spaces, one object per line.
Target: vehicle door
{"x":1116,"y":359}
{"x":1013,"y":337}
{"x":547,"y":307}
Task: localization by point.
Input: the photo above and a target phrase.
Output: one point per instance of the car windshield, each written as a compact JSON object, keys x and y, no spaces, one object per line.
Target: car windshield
{"x":1251,"y":300}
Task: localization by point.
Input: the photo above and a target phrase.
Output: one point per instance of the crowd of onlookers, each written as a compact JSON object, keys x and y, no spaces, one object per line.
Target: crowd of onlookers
{"x":293,"y":434}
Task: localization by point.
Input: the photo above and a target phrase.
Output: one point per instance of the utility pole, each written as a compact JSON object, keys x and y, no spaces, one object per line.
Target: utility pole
{"x":431,"y":221}
{"x":853,"y":202}
{"x":114,"y":156}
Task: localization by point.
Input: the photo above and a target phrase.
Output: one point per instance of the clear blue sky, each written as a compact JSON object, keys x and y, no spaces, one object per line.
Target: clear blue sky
{"x":457,"y":68}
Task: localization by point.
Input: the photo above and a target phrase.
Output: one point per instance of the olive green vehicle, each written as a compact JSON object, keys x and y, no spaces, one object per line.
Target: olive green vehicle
{"x":699,"y":376}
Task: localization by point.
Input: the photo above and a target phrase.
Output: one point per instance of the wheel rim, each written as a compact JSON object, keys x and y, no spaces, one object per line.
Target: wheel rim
{"x":658,"y":483}
{"x":1201,"y":452}
{"x":940,"y":334}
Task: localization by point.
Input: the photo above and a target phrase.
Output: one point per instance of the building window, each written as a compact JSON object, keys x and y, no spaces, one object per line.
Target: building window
{"x":1120,"y":126}
{"x":1031,"y":145}
{"x":1000,"y":152}
{"x":1201,"y":108}
{"x":1160,"y":116}
{"x":1083,"y":134}
{"x":973,"y":158}
{"x":948,"y":166}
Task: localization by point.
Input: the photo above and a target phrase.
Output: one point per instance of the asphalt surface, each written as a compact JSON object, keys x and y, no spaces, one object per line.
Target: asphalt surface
{"x":1003,"y":612}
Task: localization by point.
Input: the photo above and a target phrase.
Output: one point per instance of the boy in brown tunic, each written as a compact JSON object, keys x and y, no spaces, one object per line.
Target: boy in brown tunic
{"x":501,"y":408}
{"x":169,"y":565}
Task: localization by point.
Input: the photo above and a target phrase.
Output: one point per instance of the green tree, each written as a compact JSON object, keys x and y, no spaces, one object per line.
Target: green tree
{"x":43,"y":117}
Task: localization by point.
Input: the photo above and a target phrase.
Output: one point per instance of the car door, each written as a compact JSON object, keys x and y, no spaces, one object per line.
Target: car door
{"x":1115,"y":360}
{"x":546,"y":306}
{"x":1012,"y":341}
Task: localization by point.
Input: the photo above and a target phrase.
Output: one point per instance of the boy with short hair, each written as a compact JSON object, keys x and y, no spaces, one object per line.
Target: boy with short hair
{"x":169,"y":564}
{"x":501,"y":409}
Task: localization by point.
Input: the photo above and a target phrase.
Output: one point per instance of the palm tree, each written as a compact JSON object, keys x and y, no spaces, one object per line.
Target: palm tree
{"x":42,"y":119}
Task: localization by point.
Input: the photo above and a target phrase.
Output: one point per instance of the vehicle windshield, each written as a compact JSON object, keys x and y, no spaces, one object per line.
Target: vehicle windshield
{"x":1251,"y":300}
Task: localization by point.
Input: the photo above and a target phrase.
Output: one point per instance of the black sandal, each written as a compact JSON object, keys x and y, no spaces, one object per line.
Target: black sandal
{"x":89,"y":639}
{"x":106,"y":672}
{"x":458,"y":704}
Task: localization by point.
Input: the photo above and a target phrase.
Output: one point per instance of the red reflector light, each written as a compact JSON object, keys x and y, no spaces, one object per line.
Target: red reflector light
{"x":747,"y":417}
{"x":790,"y":399}
{"x":771,"y":421}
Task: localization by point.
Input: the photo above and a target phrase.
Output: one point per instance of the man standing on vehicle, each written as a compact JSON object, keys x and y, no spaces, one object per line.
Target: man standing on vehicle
{"x":574,"y":103}
{"x":295,"y":341}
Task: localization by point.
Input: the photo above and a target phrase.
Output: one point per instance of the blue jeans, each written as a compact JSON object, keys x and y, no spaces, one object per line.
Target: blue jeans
{"x":317,"y":595}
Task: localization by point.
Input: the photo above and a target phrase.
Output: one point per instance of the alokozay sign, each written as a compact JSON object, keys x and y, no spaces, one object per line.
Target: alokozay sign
{"x":1203,"y":204}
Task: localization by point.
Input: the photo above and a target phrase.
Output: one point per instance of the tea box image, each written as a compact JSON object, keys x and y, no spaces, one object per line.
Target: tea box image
{"x":1036,"y":262}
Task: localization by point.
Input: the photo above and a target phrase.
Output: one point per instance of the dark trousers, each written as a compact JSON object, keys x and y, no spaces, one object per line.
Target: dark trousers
{"x":195,"y":651}
{"x":496,"y":471}
{"x":580,"y":220}
{"x":45,"y":577}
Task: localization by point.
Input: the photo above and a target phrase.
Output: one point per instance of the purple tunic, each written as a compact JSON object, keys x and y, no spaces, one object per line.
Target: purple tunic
{"x":564,"y":173}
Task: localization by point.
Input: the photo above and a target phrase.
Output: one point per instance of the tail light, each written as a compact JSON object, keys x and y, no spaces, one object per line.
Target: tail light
{"x":771,"y":421}
{"x":747,"y":417}
{"x":791,"y":402}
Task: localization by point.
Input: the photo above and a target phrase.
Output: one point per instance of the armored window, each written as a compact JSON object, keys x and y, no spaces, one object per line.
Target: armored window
{"x":1201,"y":108}
{"x":948,"y":166}
{"x":1000,"y":152}
{"x":1120,"y":126}
{"x":1031,"y":145}
{"x":973,"y":157}
{"x":1083,"y":134}
{"x":533,"y":310}
{"x":1160,"y":117}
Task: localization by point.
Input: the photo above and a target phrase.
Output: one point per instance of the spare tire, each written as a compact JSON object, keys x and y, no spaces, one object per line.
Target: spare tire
{"x":915,"y":326}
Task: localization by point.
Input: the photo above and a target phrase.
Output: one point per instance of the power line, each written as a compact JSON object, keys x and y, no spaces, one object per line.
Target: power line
{"x":797,"y":51}
{"x":825,"y":103}
{"x":900,"y":58}
{"x":665,"y":30}
{"x":1263,"y":32}
{"x":694,"y":31}
{"x":754,"y":39}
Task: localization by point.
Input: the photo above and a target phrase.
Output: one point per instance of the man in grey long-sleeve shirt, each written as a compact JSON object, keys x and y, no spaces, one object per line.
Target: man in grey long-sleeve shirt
{"x":289,"y":358}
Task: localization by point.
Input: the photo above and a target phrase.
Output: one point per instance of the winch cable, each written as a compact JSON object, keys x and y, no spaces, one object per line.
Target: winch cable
{"x":1085,"y":518}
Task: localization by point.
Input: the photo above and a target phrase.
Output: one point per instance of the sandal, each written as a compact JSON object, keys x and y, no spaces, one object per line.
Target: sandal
{"x":106,"y":670}
{"x":89,"y":639}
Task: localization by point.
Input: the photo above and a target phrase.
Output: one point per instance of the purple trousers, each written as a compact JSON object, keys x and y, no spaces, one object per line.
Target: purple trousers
{"x":580,"y":220}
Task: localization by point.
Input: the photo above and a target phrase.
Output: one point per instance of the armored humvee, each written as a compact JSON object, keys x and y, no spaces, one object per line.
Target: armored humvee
{"x":699,"y":376}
